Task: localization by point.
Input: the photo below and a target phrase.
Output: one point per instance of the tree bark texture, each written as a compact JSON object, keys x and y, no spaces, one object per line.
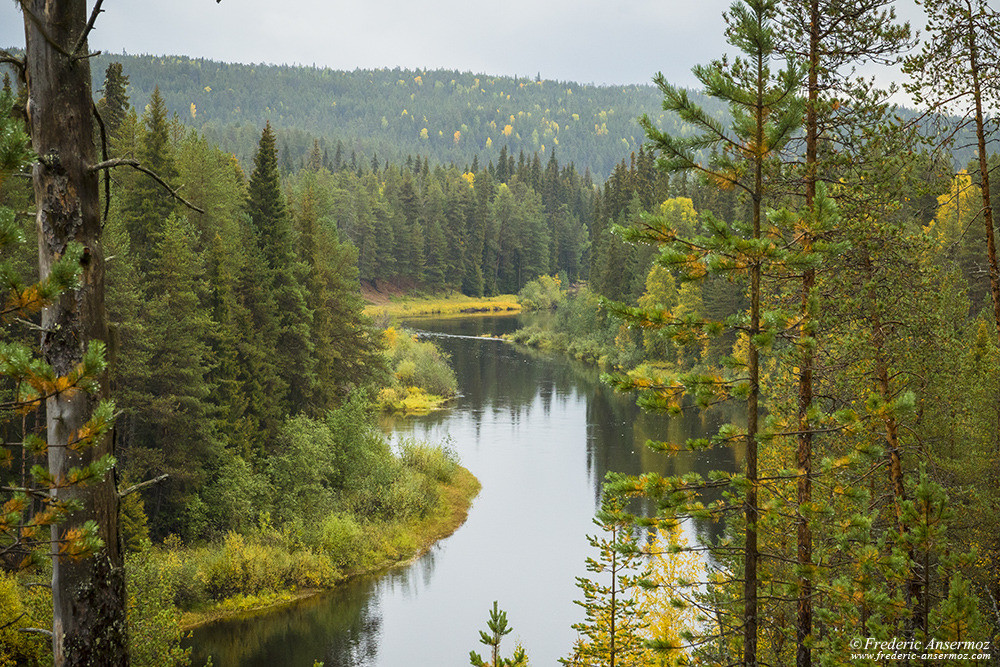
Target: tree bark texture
{"x":89,"y":624}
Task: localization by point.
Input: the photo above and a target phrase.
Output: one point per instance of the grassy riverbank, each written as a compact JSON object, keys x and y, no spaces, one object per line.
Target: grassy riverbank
{"x":334,"y":500}
{"x":442,"y":305}
{"x":394,"y":543}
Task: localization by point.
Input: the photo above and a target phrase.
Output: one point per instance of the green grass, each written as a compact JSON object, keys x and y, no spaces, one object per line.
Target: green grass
{"x":449,"y":305}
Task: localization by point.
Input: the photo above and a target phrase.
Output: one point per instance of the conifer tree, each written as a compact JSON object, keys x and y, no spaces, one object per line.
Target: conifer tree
{"x":115,"y":103}
{"x":146,"y":204}
{"x":615,"y":627}
{"x":496,"y":629}
{"x":765,"y":115}
{"x":830,"y":38}
{"x":175,"y":424}
{"x":275,"y":239}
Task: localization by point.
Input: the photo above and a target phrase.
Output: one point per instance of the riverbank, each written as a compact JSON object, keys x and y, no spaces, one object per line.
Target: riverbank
{"x":395,"y":306}
{"x":411,"y":541}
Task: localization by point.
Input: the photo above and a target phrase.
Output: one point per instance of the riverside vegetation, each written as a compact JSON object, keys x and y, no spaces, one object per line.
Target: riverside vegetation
{"x":335,"y":502}
{"x":245,"y":369}
{"x":834,"y":269}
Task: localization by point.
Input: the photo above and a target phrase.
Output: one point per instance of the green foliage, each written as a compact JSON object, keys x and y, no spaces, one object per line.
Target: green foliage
{"x":133,"y":523}
{"x":248,"y":566}
{"x":416,"y":365}
{"x":154,"y":627}
{"x":438,"y":463}
{"x":496,"y":630}
{"x":23,"y":608}
{"x":381,"y":112}
{"x":542,"y":293}
{"x":615,"y":626}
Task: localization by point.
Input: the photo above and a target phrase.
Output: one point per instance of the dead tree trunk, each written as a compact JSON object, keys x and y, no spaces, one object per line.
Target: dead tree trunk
{"x":89,"y":624}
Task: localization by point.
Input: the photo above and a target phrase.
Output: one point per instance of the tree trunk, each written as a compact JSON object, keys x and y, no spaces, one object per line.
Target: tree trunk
{"x":984,"y":177}
{"x":803,"y":458}
{"x":89,"y":625}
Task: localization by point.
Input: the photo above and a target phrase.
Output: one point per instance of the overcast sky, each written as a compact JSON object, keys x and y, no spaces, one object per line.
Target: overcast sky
{"x":587,"y":41}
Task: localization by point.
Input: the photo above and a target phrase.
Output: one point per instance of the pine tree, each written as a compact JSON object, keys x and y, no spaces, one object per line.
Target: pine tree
{"x":830,"y":38}
{"x":765,"y":116}
{"x":615,"y":628}
{"x":496,"y":630}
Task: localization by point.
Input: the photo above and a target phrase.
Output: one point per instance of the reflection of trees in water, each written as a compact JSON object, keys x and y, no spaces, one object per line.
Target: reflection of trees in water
{"x":499,"y":377}
{"x":341,"y":628}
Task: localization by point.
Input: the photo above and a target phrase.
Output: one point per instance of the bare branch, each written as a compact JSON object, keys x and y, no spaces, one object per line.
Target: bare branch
{"x":130,"y":162}
{"x":7,"y":625}
{"x":104,"y":155}
{"x":92,"y":54}
{"x":10,"y":59}
{"x":36,"y":631}
{"x":90,"y":26}
{"x":142,"y":485}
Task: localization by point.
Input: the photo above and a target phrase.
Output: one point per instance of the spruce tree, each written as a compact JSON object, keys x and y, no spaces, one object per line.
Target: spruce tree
{"x":114,"y":104}
{"x":146,"y":204}
{"x":275,"y":239}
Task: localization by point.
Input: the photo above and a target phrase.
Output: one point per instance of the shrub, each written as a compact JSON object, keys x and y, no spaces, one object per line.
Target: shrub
{"x":246,"y":567}
{"x":420,"y":364}
{"x":542,"y":293}
{"x":153,"y":621}
{"x":412,"y":495}
{"x":342,"y":541}
{"x":23,"y":608}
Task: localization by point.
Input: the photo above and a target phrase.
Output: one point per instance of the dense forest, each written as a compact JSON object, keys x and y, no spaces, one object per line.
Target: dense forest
{"x":785,"y":239}
{"x":451,"y":117}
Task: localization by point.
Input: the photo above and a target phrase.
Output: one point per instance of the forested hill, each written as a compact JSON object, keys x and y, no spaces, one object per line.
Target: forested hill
{"x":446,"y":115}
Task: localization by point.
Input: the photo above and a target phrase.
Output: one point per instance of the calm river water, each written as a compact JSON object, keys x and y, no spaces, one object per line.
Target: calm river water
{"x":539,"y":432}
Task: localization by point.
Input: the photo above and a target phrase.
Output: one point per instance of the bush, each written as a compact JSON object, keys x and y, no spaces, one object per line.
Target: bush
{"x":543,"y":293}
{"x":153,"y":621}
{"x":342,"y":541}
{"x":413,"y":495}
{"x":420,"y":364}
{"x":246,"y":567}
{"x":23,"y":608}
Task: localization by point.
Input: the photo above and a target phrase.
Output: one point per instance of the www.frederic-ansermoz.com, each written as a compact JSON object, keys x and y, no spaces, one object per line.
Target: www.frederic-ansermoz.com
{"x":932,"y":649}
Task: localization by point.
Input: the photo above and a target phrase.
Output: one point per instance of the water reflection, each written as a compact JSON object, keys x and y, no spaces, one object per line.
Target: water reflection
{"x":540,"y":433}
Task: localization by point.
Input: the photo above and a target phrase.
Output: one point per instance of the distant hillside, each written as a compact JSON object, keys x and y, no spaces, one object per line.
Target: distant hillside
{"x":448,"y":116}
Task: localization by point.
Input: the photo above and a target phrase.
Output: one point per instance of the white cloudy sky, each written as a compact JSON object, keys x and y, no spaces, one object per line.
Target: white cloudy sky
{"x":588,"y":41}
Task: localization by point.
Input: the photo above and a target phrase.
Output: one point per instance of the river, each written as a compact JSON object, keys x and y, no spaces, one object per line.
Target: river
{"x":540,"y":432}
